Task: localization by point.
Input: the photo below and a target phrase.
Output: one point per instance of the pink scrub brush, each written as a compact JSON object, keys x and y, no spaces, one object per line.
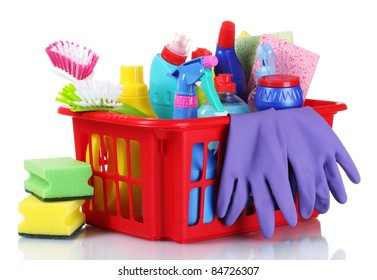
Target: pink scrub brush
{"x":70,"y":58}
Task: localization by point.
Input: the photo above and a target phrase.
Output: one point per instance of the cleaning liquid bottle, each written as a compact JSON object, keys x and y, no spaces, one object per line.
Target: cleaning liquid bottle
{"x":161,"y":87}
{"x":226,"y":90}
{"x":185,"y":106}
{"x":135,"y":91}
{"x":265,"y":54}
{"x":189,"y":75}
{"x":228,"y":60}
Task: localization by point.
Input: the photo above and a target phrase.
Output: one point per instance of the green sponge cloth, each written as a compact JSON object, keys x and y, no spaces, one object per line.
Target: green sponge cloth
{"x":57,"y":219}
{"x":53,"y":179}
{"x":246,"y":45}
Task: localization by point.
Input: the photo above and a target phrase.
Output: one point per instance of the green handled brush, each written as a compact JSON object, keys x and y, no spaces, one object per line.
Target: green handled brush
{"x":92,"y":95}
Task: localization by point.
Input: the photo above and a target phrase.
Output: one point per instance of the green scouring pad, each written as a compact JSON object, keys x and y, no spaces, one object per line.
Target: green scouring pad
{"x":54,"y":179}
{"x":246,"y":45}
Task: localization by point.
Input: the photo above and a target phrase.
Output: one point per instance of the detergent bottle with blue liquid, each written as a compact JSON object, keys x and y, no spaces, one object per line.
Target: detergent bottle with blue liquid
{"x":188,"y":76}
{"x":161,"y":87}
{"x":226,"y":90}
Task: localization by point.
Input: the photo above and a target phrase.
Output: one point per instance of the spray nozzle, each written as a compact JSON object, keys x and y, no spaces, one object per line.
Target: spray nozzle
{"x":210,"y":61}
{"x":197,"y":70}
{"x":190,"y":72}
{"x":266,"y":57}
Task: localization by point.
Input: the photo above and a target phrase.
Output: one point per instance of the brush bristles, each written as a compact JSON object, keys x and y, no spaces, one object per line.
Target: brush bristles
{"x":77,"y":61}
{"x":98,"y":94}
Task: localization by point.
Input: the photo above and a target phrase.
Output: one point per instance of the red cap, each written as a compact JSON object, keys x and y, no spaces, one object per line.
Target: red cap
{"x":227,"y":35}
{"x":199,"y":52}
{"x":223,"y":83}
{"x":279,"y":81}
{"x":172,"y":57}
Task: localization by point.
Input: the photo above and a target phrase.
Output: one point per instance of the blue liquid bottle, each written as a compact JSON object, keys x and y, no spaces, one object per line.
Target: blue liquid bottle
{"x":161,"y":87}
{"x":228,"y":60}
{"x":226,"y":90}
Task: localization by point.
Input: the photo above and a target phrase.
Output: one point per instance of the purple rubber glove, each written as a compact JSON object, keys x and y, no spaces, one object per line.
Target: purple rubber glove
{"x":313,"y":152}
{"x":255,"y":164}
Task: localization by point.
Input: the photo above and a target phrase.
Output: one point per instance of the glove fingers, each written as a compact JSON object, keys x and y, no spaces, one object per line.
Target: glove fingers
{"x":238,"y":203}
{"x":306,"y":193}
{"x":264,"y":206}
{"x":322,"y":202}
{"x":334,"y":179}
{"x":225,"y":194}
{"x":346,"y":162}
{"x":281,"y":190}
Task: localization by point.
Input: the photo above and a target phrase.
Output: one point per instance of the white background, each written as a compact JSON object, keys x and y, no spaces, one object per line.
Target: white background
{"x":131,"y":33}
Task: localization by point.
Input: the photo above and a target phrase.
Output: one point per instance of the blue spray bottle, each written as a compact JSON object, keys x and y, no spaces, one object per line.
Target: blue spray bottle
{"x":185,"y":106}
{"x":228,"y":60}
{"x":161,"y":87}
{"x":265,"y":54}
{"x":267,"y":59}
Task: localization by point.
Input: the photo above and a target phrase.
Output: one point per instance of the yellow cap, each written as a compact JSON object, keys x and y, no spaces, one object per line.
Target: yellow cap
{"x":131,"y":77}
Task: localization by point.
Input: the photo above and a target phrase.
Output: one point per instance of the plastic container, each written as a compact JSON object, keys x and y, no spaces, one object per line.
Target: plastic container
{"x":161,"y":177}
{"x":226,"y":90}
{"x":228,"y":60}
{"x":162,"y":87}
{"x":279,"y":92}
{"x":135,"y":91}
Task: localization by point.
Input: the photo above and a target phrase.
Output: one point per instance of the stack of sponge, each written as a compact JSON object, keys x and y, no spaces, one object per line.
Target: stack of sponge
{"x":58,"y":187}
{"x":246,"y":46}
{"x":290,"y":59}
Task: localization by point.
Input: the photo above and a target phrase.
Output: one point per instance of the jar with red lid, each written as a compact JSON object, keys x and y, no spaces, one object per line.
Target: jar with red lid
{"x":278,"y":91}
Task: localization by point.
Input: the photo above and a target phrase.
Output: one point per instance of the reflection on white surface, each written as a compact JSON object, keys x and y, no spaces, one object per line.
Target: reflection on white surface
{"x":302,"y":242}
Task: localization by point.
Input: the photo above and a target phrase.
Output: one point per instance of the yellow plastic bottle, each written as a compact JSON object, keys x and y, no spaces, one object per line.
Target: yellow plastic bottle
{"x":135,"y":91}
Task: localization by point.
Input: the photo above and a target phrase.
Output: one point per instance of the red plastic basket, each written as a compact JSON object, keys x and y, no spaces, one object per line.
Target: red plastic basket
{"x":141,"y":173}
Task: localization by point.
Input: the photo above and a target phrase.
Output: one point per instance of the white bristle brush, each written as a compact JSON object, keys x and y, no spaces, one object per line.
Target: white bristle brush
{"x":89,"y":95}
{"x":93,"y":95}
{"x":72,"y":59}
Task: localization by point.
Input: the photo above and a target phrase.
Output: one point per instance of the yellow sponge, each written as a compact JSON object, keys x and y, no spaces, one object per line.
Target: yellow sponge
{"x":58,"y":219}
